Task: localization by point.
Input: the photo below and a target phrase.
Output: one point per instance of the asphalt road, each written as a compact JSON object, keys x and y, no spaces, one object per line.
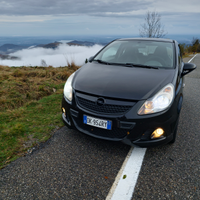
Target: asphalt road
{"x":69,"y":166}
{"x":72,"y":165}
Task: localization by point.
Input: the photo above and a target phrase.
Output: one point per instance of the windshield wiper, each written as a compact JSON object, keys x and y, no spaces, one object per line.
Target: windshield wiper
{"x":127,"y":64}
{"x":101,"y":61}
{"x":139,"y":65}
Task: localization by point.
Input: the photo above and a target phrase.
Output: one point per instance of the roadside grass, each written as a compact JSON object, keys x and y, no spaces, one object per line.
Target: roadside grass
{"x":20,"y":85}
{"x":30,"y":107}
{"x":185,"y":55}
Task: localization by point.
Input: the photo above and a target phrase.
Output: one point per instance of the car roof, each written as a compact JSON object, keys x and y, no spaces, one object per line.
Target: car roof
{"x":147,"y":39}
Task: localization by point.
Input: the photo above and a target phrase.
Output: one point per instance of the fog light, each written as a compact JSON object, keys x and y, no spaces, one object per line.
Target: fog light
{"x":157,"y":133}
{"x":63,"y":110}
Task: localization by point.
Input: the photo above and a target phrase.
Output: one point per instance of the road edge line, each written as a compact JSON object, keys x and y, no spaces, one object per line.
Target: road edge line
{"x":192,"y":58}
{"x":126,"y":179}
{"x":112,"y":189}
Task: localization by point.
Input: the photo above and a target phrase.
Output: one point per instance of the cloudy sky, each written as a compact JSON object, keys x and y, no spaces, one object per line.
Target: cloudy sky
{"x":96,"y":17}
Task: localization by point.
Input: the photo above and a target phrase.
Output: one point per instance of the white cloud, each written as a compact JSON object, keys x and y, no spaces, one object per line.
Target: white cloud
{"x":54,"y":57}
{"x":49,"y":17}
{"x":97,"y":7}
{"x":26,"y":18}
{"x":178,"y":6}
{"x":50,"y":7}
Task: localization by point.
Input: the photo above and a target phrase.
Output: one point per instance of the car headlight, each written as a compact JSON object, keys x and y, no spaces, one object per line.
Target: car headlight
{"x":68,"y":87}
{"x":158,"y":102}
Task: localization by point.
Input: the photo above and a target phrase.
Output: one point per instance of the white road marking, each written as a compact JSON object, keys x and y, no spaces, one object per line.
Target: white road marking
{"x":125,"y":182}
{"x":192,"y":58}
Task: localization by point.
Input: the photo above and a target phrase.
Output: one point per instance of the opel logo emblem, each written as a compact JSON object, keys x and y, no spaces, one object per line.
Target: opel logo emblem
{"x":100,"y":101}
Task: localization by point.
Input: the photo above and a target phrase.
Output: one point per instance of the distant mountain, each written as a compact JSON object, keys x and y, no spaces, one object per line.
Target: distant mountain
{"x":80,"y":43}
{"x":53,"y":45}
{"x":10,"y":48}
{"x":8,"y":57}
{"x":84,"y":43}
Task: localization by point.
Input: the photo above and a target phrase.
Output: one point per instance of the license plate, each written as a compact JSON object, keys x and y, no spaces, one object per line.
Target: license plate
{"x":100,"y":123}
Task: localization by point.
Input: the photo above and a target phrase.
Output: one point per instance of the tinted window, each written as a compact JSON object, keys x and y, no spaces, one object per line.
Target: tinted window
{"x":151,"y":53}
{"x":179,"y":56}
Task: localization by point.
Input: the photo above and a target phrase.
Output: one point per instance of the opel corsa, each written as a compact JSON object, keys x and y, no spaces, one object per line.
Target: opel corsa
{"x":130,"y":91}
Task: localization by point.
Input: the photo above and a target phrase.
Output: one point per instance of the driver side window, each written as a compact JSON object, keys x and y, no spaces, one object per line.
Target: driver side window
{"x":179,"y":57}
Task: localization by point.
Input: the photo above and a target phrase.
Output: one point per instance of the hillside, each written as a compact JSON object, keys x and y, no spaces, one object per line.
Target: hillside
{"x":30,"y":99}
{"x":8,"y":57}
{"x":53,"y":45}
{"x":81,"y":43}
{"x":10,"y":48}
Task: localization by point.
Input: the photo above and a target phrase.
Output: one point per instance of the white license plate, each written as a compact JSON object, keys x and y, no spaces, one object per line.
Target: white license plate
{"x":100,"y":123}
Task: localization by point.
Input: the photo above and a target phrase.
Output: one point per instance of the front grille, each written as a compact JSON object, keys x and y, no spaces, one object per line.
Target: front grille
{"x":115,"y":133}
{"x":106,"y":108}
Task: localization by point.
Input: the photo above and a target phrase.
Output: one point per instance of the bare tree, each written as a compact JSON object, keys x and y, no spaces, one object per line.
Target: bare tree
{"x":152,"y":26}
{"x":195,"y":41}
{"x":43,"y":63}
{"x":195,"y":44}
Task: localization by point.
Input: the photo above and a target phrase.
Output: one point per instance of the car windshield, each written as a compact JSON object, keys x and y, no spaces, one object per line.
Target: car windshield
{"x":138,"y":53}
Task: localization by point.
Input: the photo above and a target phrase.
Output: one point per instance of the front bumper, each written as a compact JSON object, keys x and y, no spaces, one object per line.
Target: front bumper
{"x":128,"y":128}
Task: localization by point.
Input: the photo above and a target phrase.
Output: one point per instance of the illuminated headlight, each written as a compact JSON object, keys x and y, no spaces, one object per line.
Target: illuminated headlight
{"x":68,"y":87}
{"x":158,"y":102}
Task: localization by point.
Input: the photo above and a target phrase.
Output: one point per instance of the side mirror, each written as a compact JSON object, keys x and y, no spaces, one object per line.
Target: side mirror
{"x":187,"y":68}
{"x":91,"y":58}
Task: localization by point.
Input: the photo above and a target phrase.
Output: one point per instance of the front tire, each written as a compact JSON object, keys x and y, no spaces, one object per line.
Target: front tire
{"x":174,"y":133}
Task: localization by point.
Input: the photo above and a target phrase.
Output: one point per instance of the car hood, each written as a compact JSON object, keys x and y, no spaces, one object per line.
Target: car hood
{"x":121,"y":82}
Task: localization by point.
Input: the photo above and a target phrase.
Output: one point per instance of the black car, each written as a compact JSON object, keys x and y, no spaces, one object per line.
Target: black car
{"x":130,"y":91}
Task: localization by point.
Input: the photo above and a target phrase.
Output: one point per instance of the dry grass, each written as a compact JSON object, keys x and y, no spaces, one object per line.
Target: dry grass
{"x":19,"y":85}
{"x":185,"y":55}
{"x":30,"y":101}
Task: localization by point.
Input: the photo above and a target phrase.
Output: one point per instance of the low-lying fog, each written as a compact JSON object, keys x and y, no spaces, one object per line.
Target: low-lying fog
{"x":54,"y":57}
